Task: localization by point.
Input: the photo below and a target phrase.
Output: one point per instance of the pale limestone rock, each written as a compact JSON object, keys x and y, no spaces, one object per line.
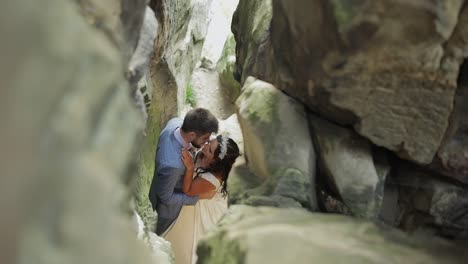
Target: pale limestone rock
{"x":346,"y":162}
{"x":278,"y":146}
{"x":75,"y":129}
{"x":273,"y":235}
{"x":392,"y":77}
{"x":226,"y":69}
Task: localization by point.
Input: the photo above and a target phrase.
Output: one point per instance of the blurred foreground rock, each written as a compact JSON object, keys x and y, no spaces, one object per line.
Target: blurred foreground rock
{"x":72,"y":129}
{"x":273,"y":235}
{"x":278,"y":146}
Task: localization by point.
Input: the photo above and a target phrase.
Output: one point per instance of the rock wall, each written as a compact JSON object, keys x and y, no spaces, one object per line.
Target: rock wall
{"x":278,"y":147}
{"x":430,"y":204}
{"x":179,"y":46}
{"x":392,"y":79}
{"x":182,"y":27}
{"x":348,"y":166}
{"x":383,"y":85}
{"x":452,"y":157}
{"x":226,"y":69}
{"x":71,"y":128}
{"x":276,"y":235}
{"x":218,"y":31}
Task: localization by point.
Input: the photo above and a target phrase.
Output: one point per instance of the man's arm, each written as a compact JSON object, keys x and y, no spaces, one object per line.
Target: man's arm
{"x":165,"y":184}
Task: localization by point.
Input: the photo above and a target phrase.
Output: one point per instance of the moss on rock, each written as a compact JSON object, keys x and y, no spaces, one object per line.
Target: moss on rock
{"x":273,"y":235}
{"x":226,"y":67}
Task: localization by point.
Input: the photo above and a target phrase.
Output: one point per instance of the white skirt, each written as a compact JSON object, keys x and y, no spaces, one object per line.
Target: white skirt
{"x":191,"y":225}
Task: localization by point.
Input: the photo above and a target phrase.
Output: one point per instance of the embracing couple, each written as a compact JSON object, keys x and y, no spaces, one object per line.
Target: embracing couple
{"x":188,"y":190}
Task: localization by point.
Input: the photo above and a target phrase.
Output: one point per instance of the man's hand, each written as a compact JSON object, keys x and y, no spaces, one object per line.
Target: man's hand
{"x":187,"y":159}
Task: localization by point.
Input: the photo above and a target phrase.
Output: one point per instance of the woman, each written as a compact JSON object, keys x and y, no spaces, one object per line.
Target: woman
{"x":211,"y":170}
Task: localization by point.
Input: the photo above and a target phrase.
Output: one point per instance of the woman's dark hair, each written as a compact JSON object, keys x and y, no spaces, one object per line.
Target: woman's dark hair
{"x":224,"y":165}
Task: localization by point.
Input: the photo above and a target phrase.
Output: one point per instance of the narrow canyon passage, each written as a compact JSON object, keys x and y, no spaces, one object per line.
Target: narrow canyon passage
{"x":210,"y":94}
{"x":350,"y":117}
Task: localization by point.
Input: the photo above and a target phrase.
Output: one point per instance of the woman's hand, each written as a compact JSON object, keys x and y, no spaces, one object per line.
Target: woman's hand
{"x":187,"y":159}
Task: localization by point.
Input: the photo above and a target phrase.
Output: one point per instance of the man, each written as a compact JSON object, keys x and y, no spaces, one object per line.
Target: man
{"x":165,"y":193}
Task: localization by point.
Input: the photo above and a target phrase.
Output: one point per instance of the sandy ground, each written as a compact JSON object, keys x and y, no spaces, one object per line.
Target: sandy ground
{"x":210,"y":94}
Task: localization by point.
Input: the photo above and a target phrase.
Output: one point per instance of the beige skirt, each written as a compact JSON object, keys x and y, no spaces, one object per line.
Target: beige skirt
{"x":181,"y":233}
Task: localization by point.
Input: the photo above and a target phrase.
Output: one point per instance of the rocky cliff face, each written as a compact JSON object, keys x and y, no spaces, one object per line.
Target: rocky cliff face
{"x":343,"y":58}
{"x":383,"y":88}
{"x":182,"y":27}
{"x":355,"y":107}
{"x":391,"y":71}
{"x":278,"y":235}
{"x":452,"y":157}
{"x":72,"y":131}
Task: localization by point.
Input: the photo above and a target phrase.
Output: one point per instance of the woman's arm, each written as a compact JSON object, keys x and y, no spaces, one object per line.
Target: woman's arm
{"x":198,"y":186}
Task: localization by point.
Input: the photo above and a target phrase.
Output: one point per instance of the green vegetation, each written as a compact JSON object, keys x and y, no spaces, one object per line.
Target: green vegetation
{"x":143,"y":183}
{"x":343,"y":11}
{"x":146,"y":169}
{"x":190,"y":96}
{"x":225,"y":68}
{"x":264,"y":103}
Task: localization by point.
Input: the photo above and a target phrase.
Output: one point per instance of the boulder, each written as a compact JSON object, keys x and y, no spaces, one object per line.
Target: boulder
{"x":392,"y":79}
{"x":390,"y":213}
{"x":251,"y":28}
{"x":346,"y":161}
{"x":161,"y":251}
{"x":226,"y":67}
{"x":138,"y":66}
{"x":275,"y":235}
{"x":71,"y":127}
{"x":231,"y":128}
{"x":133,"y":21}
{"x":429,"y":204}
{"x":452,"y":158}
{"x":139,"y":62}
{"x":183,"y":30}
{"x":278,"y":146}
{"x":104,"y":15}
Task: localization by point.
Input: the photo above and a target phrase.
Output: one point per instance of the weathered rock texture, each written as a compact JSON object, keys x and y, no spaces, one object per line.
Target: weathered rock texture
{"x":359,"y":63}
{"x":226,"y":68}
{"x":138,"y":67}
{"x":179,"y":45}
{"x":72,"y":130}
{"x":231,"y":128}
{"x":104,"y":15}
{"x":160,"y":248}
{"x":218,"y":31}
{"x":250,"y":26}
{"x":132,"y":21}
{"x":428,"y":204}
{"x":452,"y":158}
{"x":273,"y":235}
{"x":182,"y":28}
{"x":346,"y":162}
{"x":278,"y":146}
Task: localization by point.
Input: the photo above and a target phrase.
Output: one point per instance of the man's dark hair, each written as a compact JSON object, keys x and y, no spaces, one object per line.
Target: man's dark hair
{"x":200,"y":121}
